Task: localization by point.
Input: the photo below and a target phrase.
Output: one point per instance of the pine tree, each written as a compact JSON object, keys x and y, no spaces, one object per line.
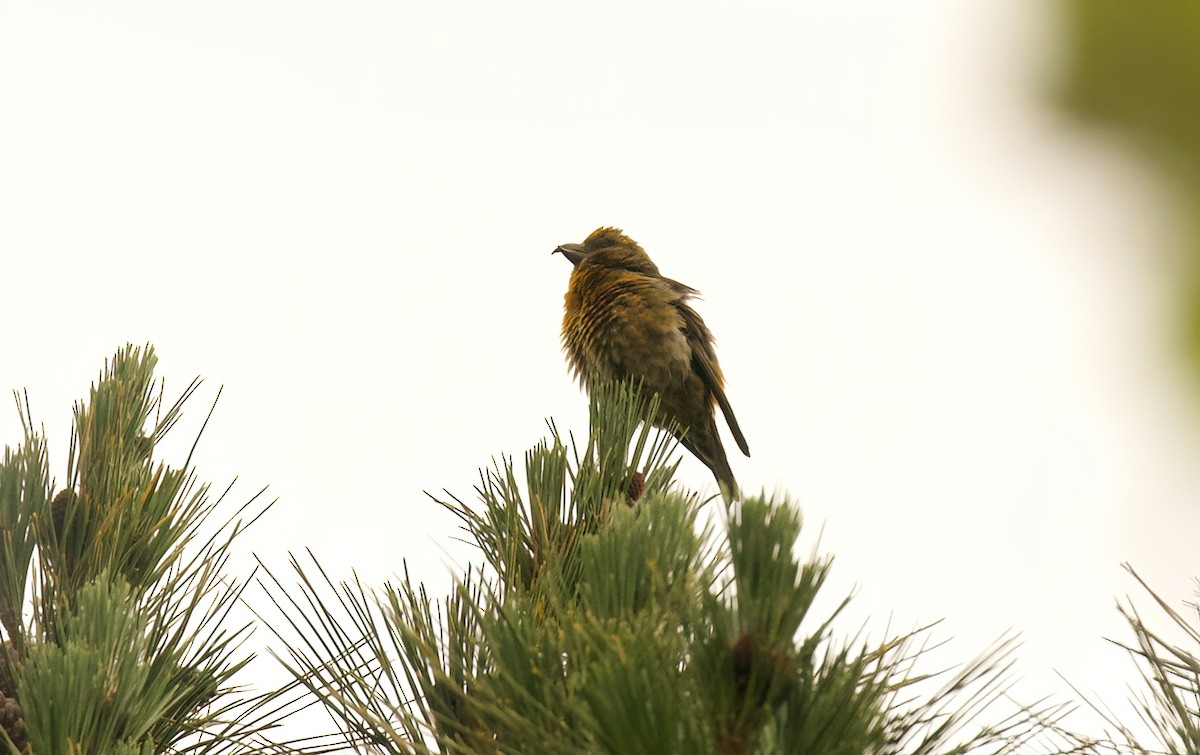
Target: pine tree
{"x":125,"y":644}
{"x":609,"y":615}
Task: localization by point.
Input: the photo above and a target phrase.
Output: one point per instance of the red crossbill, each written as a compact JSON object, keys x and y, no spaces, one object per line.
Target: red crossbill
{"x":624,"y":321}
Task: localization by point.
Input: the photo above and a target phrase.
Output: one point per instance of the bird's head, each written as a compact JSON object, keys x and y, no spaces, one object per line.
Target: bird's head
{"x":609,"y":248}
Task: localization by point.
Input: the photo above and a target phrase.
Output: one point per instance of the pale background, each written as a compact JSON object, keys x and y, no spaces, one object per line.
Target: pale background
{"x":937,"y":302}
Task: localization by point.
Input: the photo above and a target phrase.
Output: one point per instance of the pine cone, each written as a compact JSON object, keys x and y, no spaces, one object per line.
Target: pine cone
{"x":58,"y":511}
{"x":12,"y":719}
{"x":636,"y":486}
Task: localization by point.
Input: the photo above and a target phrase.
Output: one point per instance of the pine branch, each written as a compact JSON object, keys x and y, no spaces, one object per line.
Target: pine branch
{"x":131,"y":647}
{"x":604,"y":619}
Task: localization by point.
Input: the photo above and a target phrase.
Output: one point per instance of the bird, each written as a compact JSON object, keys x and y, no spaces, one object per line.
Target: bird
{"x":624,"y":321}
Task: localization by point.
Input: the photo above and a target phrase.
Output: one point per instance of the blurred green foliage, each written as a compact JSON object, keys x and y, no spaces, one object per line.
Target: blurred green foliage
{"x":1135,"y":66}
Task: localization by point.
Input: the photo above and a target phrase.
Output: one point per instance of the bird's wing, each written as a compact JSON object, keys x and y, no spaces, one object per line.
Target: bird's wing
{"x":705,"y":359}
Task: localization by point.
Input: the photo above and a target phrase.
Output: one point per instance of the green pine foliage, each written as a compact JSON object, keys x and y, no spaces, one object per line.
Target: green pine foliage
{"x":124,"y":644}
{"x":608,"y":616}
{"x":1166,"y":708}
{"x":609,"y":612}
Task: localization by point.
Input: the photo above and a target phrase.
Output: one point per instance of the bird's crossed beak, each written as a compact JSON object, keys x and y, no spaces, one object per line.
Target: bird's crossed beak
{"x":573,"y":252}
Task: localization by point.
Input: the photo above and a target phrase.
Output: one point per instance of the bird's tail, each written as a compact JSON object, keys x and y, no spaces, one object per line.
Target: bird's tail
{"x":708,"y":449}
{"x":727,"y":496}
{"x":725,"y":482}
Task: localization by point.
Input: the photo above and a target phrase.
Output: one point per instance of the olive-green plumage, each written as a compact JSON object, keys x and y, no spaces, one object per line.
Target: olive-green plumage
{"x":624,"y":321}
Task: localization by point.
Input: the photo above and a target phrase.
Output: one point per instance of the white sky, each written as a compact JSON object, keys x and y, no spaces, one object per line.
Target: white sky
{"x":944,"y":313}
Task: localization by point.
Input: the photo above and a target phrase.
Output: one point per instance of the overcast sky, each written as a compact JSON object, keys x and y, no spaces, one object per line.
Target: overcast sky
{"x":941,"y":309}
